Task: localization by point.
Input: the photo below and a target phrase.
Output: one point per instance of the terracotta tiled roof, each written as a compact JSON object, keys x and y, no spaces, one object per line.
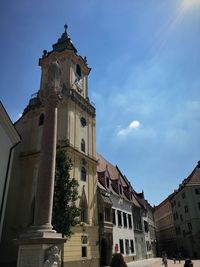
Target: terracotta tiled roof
{"x":194,"y":177}
{"x":104,"y":167}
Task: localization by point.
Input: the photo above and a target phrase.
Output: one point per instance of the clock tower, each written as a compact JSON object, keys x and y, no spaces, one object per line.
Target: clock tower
{"x":76,"y":133}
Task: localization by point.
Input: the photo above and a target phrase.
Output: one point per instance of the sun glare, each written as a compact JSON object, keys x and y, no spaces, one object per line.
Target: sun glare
{"x":188,"y":4}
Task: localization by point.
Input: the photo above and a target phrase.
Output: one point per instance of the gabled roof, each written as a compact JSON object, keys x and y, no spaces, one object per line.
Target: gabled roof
{"x":115,"y":175}
{"x":194,"y":177}
{"x":106,"y":166}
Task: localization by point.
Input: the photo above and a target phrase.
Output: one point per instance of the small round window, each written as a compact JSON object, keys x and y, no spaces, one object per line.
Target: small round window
{"x":83,"y":121}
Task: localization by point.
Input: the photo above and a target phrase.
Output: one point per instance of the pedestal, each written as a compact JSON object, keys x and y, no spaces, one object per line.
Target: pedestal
{"x":45,"y":251}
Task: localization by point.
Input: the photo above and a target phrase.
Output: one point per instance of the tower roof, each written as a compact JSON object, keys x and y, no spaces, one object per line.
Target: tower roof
{"x":64,"y":42}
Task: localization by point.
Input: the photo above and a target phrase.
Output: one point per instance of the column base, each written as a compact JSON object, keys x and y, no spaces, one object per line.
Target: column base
{"x":40,"y":249}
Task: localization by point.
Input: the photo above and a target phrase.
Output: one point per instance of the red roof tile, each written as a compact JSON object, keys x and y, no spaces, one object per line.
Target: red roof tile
{"x":194,"y":177}
{"x":115,"y":176}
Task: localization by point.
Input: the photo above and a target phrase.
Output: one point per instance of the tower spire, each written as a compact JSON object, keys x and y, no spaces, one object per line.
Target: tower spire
{"x":65,"y":26}
{"x":64,"y":42}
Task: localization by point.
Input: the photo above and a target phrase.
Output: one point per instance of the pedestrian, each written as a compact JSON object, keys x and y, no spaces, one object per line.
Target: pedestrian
{"x":164,"y":255}
{"x":118,"y":261}
{"x":179,"y":257}
{"x":174,"y":258}
{"x":188,"y":263}
{"x":165,"y":261}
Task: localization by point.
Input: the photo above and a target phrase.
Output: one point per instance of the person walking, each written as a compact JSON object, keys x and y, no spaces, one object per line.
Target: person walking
{"x":118,"y":261}
{"x":174,"y":258}
{"x":188,"y":263}
{"x":179,"y":257}
{"x":165,"y":261}
{"x":164,"y":255}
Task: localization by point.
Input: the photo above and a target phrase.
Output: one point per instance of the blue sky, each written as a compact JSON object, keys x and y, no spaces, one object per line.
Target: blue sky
{"x":145,"y":78}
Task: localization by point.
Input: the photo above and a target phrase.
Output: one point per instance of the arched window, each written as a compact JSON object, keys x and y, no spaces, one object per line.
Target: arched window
{"x":41,"y":119}
{"x":83,"y":145}
{"x":83,"y":207}
{"x":84,"y":213}
{"x":78,"y":70}
{"x":83,"y":174}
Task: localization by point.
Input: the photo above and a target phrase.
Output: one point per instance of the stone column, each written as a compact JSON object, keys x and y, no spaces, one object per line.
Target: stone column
{"x":46,"y":173}
{"x":41,"y":246}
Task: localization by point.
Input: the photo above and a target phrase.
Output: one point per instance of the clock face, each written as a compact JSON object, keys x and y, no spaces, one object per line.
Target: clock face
{"x":83,"y":121}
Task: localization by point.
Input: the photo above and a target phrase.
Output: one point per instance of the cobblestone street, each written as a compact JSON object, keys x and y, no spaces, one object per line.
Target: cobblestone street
{"x":157,"y":262}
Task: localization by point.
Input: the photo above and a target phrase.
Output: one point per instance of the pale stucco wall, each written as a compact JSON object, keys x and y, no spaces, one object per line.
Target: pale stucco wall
{"x":8,"y":138}
{"x":122,"y":232}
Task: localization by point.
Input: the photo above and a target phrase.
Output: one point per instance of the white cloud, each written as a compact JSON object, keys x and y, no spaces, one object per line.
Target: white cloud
{"x":134,"y":125}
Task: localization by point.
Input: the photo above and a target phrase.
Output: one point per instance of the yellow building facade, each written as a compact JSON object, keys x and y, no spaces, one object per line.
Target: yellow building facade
{"x":76,"y":133}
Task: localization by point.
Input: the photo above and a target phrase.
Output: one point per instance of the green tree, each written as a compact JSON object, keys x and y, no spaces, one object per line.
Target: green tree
{"x":65,"y":213}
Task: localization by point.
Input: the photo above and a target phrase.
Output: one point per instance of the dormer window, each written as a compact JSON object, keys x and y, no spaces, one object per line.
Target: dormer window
{"x":78,"y":70}
{"x":107,"y":182}
{"x":120,"y":189}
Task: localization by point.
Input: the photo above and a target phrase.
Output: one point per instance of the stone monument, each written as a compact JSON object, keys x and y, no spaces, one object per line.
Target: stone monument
{"x":40,"y":246}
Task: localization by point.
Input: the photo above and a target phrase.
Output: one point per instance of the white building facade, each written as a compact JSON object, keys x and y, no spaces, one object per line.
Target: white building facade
{"x":123,"y":228}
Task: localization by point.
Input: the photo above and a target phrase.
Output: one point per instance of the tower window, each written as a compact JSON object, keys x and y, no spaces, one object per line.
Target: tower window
{"x":83,"y":145}
{"x":41,"y":119}
{"x":84,"y":251}
{"x":78,"y":70}
{"x":84,"y":213}
{"x":83,"y":174}
{"x":83,"y":207}
{"x":83,"y":122}
{"x":84,"y":245}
